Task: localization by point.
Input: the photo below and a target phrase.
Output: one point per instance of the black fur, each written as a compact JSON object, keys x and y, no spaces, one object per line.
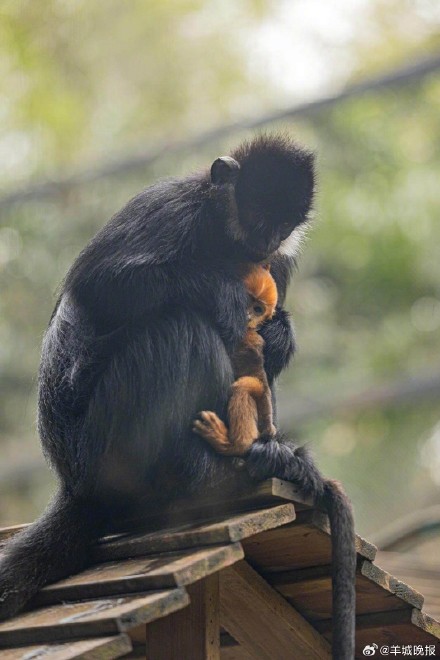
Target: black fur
{"x":140,"y":342}
{"x":338,"y":507}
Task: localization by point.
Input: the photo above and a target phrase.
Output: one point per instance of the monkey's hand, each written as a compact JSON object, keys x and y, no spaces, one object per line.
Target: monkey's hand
{"x":279,"y":343}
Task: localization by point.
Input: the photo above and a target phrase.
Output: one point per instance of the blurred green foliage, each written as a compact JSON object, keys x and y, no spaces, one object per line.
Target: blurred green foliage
{"x":85,"y":81}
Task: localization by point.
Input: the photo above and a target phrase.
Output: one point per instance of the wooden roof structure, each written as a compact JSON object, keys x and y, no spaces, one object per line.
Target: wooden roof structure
{"x":242,"y":580}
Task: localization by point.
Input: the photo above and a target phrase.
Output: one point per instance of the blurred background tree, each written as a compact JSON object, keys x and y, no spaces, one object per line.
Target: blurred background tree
{"x":86,"y":84}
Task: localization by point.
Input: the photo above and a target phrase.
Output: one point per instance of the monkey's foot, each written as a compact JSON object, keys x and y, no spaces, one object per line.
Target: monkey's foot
{"x":210,"y":427}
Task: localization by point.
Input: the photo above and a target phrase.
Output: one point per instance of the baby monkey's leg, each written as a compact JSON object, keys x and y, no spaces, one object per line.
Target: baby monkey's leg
{"x":210,"y":427}
{"x":242,"y":417}
{"x":265,"y":413}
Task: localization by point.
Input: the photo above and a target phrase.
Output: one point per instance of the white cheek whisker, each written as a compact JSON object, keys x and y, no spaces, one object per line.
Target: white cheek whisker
{"x":292,"y":245}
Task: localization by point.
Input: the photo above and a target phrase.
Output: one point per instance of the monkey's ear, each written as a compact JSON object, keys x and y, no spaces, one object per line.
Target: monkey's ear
{"x":224,"y":170}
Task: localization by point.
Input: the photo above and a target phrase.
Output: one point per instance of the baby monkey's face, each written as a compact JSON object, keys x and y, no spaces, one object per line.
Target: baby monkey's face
{"x":258,"y":313}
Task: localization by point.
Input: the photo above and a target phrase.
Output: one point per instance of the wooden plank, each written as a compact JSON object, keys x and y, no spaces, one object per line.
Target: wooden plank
{"x":420,"y":571}
{"x":310,"y":590}
{"x":425,"y":622}
{"x":158,"y":571}
{"x":235,"y":653}
{"x":262,"y":622}
{"x":138,"y":635}
{"x":411,"y":617}
{"x":192,"y":633}
{"x":409,"y":627}
{"x":230,"y":530}
{"x":301,"y":544}
{"x":320,"y":520}
{"x":225,"y":500}
{"x":8,"y":532}
{"x":249,"y":496}
{"x":391,"y":584}
{"x":89,"y":619}
{"x":103,"y":648}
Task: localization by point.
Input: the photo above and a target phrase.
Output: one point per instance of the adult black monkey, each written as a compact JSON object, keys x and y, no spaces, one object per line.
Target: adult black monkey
{"x":139,"y":343}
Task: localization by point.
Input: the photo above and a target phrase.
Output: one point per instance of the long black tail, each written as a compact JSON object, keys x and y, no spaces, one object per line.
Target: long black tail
{"x":53,"y":547}
{"x":284,"y":460}
{"x":340,"y":514}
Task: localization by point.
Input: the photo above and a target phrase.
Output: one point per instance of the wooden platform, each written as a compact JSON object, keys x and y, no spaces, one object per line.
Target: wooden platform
{"x":251,"y":582}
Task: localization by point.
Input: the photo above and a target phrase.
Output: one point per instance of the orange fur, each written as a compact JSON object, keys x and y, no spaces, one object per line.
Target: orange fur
{"x":261,"y":286}
{"x":252,"y":385}
{"x":250,"y":404}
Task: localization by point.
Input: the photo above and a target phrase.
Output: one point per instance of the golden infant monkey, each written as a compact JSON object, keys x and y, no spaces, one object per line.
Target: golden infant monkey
{"x":250,"y":404}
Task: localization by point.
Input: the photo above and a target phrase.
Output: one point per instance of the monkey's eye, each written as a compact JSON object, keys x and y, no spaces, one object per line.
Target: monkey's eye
{"x":258,"y":310}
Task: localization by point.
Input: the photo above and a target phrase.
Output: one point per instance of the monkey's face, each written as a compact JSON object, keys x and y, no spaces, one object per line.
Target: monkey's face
{"x":264,"y":238}
{"x":258,"y":313}
{"x":271,"y":182}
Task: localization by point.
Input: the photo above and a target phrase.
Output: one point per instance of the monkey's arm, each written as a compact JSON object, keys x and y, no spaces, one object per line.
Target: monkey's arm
{"x":134,"y":293}
{"x":279,"y":343}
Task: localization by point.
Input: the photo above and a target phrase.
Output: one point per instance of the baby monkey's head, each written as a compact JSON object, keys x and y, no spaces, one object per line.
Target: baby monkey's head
{"x":263,"y":293}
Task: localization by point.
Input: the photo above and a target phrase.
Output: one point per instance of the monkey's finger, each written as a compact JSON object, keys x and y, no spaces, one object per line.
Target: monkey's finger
{"x":199,"y":426}
{"x":208,"y":416}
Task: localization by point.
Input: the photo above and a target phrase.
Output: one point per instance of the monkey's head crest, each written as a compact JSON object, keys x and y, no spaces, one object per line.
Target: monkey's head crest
{"x":274,"y":184}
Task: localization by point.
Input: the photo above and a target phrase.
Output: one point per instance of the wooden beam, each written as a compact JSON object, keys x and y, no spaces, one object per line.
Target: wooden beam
{"x":301,"y":544}
{"x":262,"y":622}
{"x":310,"y":590}
{"x":88,"y":649}
{"x":103,"y":617}
{"x":235,"y":653}
{"x":399,"y":627}
{"x":193,"y":633}
{"x":217,"y":504}
{"x":231,"y":529}
{"x":160,"y":571}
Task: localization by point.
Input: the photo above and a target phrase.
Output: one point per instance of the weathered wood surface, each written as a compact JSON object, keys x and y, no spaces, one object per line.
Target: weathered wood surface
{"x":103,"y":648}
{"x":310,"y":590}
{"x":234,"y":528}
{"x":8,"y":532}
{"x":420,"y":571}
{"x":158,"y":571}
{"x":235,"y":653}
{"x":260,"y":495}
{"x":192,"y":633}
{"x":217,"y":503}
{"x":262,"y":622}
{"x":292,"y":555}
{"x":399,"y":627}
{"x":89,"y":619}
{"x":302,"y":544}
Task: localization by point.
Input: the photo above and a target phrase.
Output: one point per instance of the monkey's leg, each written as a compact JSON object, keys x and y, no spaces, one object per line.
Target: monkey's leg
{"x":210,"y":427}
{"x":242,"y":416}
{"x":243,"y":413}
{"x":265,"y":414}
